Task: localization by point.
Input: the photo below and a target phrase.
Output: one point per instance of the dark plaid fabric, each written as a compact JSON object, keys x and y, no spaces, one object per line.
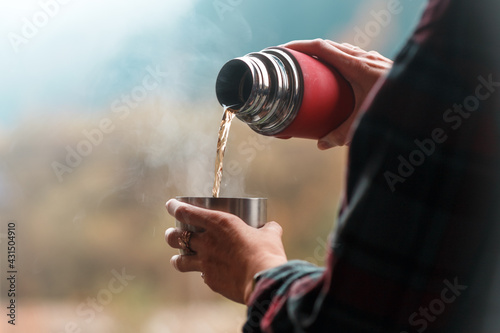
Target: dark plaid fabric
{"x":417,"y":238}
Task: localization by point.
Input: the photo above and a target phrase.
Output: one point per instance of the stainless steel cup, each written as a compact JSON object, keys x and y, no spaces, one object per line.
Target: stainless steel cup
{"x":253,"y":211}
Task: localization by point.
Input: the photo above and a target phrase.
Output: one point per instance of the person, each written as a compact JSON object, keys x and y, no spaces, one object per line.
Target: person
{"x":416,"y":243}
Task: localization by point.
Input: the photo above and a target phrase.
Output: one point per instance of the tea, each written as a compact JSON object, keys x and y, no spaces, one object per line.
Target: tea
{"x":225,"y":125}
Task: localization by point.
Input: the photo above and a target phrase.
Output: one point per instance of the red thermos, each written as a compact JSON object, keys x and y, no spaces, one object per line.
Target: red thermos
{"x":284,"y":93}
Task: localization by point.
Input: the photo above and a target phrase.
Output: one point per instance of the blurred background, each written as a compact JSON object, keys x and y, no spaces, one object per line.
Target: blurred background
{"x":108,"y":110}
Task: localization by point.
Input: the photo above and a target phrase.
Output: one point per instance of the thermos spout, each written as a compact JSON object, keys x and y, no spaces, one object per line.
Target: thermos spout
{"x":234,"y":84}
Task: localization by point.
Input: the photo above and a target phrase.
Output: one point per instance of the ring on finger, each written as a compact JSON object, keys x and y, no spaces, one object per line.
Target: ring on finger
{"x":184,"y":242}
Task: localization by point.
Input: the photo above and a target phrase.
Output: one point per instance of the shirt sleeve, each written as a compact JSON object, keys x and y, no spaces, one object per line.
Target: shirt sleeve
{"x":276,"y":286}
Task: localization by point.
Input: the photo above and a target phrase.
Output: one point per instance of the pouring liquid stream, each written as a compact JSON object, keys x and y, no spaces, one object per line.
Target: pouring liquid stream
{"x":225,"y":125}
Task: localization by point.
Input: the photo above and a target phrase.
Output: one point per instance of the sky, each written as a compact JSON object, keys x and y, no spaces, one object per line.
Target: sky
{"x":81,"y":55}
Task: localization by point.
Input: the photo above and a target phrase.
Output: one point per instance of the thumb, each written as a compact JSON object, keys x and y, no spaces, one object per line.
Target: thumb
{"x":337,"y":137}
{"x":273,"y":227}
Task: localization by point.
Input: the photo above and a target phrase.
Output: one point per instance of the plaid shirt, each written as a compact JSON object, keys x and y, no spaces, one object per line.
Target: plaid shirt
{"x":415,"y":248}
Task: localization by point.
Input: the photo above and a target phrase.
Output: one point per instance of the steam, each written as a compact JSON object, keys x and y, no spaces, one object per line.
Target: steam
{"x":89,"y":54}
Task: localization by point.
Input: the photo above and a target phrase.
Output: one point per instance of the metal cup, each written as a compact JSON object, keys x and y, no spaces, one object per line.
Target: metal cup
{"x":253,"y":211}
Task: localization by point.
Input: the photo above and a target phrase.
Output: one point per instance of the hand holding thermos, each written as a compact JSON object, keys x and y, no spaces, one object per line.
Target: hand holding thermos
{"x":308,"y":89}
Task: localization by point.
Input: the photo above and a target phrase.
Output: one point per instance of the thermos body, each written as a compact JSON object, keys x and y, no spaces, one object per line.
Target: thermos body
{"x":284,"y":93}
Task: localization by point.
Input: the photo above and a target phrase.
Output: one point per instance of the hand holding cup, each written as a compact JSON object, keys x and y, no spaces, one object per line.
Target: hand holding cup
{"x":223,"y":247}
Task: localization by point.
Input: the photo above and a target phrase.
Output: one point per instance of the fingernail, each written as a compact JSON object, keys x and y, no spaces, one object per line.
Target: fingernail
{"x":322,"y":145}
{"x":173,"y":261}
{"x":172,"y":205}
{"x":168,"y":232}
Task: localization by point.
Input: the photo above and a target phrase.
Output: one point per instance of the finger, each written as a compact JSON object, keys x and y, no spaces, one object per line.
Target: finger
{"x":344,"y":44}
{"x":377,"y":60}
{"x":316,"y":44}
{"x":320,"y":47}
{"x":328,"y":52}
{"x":172,"y":236}
{"x":347,"y":48}
{"x":317,"y":47}
{"x":189,"y":214}
{"x":186,"y":263}
{"x":273,"y":227}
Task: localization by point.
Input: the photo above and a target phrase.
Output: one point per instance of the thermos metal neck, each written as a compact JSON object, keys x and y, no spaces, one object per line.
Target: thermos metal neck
{"x":262,"y":88}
